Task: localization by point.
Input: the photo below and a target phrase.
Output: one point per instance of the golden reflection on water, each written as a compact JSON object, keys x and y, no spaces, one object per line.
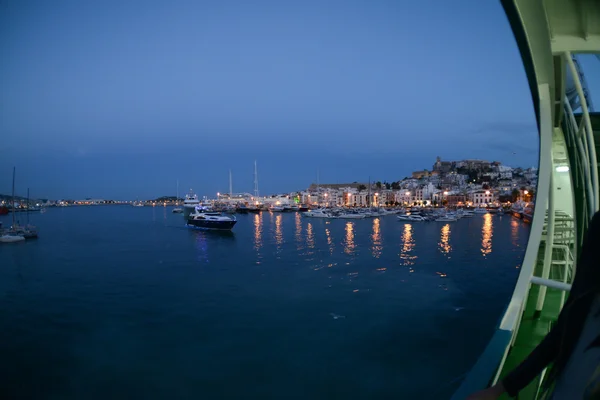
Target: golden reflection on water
{"x":310,"y":236}
{"x":278,"y":230}
{"x":376,"y":248}
{"x":298,"y":234}
{"x":514,"y":231}
{"x":349,"y":243}
{"x":486,"y":235}
{"x":444,"y":244}
{"x":408,"y":245}
{"x":258,"y":223}
{"x":329,"y":240}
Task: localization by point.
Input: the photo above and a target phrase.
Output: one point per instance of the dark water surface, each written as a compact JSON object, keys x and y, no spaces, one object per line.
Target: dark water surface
{"x":121,"y":302}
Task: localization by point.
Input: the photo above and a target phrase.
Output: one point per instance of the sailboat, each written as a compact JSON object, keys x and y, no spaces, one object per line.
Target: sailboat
{"x":11,"y":236}
{"x":177,"y":210}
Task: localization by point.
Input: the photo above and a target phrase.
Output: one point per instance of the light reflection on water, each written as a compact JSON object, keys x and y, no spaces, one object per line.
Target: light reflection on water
{"x":310,"y":237}
{"x":349,"y":242}
{"x":307,"y":233}
{"x":258,"y":225}
{"x":408,"y":245}
{"x":298,"y":235}
{"x":278,"y":231}
{"x":486,"y":235}
{"x":444,"y":244}
{"x":329,"y":241}
{"x":202,"y":247}
{"x":514,"y":231}
{"x":376,"y":247}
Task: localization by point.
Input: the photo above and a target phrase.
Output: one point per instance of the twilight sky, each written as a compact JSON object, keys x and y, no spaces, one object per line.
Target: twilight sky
{"x":120,"y":99}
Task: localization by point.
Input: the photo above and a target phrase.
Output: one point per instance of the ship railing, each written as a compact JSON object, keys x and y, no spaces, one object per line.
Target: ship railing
{"x":487,"y":369}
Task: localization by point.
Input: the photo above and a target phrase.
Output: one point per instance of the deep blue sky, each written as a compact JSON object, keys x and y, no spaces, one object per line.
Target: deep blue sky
{"x":121,"y":99}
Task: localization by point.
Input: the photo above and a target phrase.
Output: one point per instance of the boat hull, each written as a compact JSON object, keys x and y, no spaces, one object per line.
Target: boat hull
{"x":188,"y":209}
{"x":212,"y":225}
{"x":11,"y":238}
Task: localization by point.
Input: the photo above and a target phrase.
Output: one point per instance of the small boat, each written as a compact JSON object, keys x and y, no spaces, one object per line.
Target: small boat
{"x":241,"y":209}
{"x":11,"y":238}
{"x":177,"y":210}
{"x":303,"y":208}
{"x":352,"y":216}
{"x":411,"y":218}
{"x":462,"y":213}
{"x":277,"y":208}
{"x":317,"y":214}
{"x":204,"y":218}
{"x":137,"y":204}
{"x":480,"y":210}
{"x":27,"y":231}
{"x":446,"y":218}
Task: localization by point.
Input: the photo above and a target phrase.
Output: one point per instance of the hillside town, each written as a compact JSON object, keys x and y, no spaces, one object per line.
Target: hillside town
{"x":470,"y":183}
{"x":476,"y":183}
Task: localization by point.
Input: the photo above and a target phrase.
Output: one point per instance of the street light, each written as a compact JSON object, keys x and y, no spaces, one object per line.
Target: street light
{"x":445,"y":193}
{"x":525,"y":192}
{"x":488,"y":192}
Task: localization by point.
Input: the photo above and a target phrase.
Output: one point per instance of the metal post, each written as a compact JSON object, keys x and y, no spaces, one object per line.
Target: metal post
{"x":588,"y":127}
{"x":579,"y":140}
{"x":549,"y":245}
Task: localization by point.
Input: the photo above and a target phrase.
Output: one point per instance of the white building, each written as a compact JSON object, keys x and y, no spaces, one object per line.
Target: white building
{"x":505,"y":172}
{"x":481,"y":197}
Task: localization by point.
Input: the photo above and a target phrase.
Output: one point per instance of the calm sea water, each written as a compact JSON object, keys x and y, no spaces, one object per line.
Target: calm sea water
{"x":121,"y":302}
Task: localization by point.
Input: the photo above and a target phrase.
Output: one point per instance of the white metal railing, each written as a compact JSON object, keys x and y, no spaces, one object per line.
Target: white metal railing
{"x":586,"y":127}
{"x":550,"y":283}
{"x":581,"y":142}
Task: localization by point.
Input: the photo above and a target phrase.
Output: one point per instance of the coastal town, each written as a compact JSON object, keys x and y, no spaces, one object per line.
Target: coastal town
{"x":463,"y":183}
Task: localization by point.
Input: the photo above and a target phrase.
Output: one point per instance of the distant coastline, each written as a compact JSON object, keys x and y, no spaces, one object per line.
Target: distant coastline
{"x":446,"y":179}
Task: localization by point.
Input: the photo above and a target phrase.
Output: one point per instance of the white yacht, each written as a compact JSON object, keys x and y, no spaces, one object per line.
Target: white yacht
{"x":411,"y":217}
{"x":204,"y":218}
{"x":190,"y":203}
{"x":11,"y":238}
{"x":480,"y":210}
{"x":352,"y":216}
{"x":446,"y":218}
{"x":317,"y":214}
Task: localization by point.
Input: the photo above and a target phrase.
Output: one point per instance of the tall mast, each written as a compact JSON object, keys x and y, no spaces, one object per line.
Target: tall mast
{"x":177,"y":198}
{"x":13,"y":199}
{"x":27,"y":206}
{"x":369,"y":200}
{"x":230,"y":186}
{"x":255,"y":180}
{"x":318,"y":197}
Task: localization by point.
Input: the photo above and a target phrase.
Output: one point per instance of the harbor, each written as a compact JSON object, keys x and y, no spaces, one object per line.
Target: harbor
{"x":107,"y":287}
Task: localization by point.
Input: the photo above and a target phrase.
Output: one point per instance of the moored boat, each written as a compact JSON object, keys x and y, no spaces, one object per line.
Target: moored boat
{"x":190,"y":203}
{"x":411,"y":218}
{"x":317,"y":214}
{"x":204,"y":218}
{"x":11,"y":238}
